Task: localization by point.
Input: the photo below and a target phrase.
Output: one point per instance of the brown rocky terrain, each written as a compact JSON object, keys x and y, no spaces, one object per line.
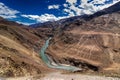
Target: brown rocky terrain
{"x":93,"y":44}
{"x":19,"y":50}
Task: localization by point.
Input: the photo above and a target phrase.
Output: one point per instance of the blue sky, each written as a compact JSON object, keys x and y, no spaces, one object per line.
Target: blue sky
{"x":35,"y":11}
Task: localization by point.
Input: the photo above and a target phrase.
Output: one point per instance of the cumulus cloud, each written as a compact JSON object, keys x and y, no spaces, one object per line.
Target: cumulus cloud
{"x":71,"y":1}
{"x":73,"y":8}
{"x":7,"y":12}
{"x":43,"y":18}
{"x":65,"y":5}
{"x":103,"y":2}
{"x":25,"y":23}
{"x":99,"y":1}
{"x":53,"y":6}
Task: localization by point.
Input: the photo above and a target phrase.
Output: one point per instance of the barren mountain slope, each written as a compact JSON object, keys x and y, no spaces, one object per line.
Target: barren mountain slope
{"x":19,"y":51}
{"x":93,"y":44}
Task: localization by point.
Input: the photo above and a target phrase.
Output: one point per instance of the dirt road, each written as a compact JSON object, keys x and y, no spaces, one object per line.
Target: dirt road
{"x":59,"y":76}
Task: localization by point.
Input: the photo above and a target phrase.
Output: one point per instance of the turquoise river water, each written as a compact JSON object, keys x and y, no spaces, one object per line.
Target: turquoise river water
{"x":47,"y":61}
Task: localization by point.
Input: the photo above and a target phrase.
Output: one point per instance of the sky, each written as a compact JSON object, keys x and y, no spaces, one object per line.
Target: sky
{"x":39,"y":11}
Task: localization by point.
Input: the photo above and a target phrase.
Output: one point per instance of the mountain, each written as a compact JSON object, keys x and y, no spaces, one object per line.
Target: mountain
{"x":94,"y":42}
{"x":111,"y":9}
{"x":19,"y":49}
{"x":91,"y":42}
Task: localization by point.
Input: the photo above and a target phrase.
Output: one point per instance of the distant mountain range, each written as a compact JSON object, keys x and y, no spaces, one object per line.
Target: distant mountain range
{"x":109,"y":10}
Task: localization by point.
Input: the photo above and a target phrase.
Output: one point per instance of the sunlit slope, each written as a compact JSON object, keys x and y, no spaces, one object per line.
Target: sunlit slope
{"x":19,"y":52}
{"x":93,"y":44}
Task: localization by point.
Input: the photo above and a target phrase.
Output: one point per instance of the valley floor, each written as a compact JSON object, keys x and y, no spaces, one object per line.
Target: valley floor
{"x":59,"y":76}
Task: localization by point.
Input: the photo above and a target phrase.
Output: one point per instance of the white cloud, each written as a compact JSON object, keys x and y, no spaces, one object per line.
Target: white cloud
{"x":85,"y":7}
{"x":71,"y":1}
{"x":105,"y":5}
{"x":72,"y":9}
{"x":43,"y":18}
{"x":53,"y":6}
{"x":32,"y":17}
{"x":65,"y":5}
{"x":7,"y":12}
{"x":25,"y":23}
{"x":99,"y":1}
{"x":70,"y":12}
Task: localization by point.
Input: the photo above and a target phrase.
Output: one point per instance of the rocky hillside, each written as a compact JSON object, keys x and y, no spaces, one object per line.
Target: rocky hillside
{"x":19,"y":49}
{"x":91,"y":42}
{"x":95,"y":42}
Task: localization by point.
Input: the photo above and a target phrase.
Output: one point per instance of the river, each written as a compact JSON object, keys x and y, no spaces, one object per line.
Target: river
{"x":49,"y":62}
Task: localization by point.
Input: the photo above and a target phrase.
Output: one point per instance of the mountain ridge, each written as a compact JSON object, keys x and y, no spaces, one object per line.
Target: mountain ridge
{"x":109,"y":10}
